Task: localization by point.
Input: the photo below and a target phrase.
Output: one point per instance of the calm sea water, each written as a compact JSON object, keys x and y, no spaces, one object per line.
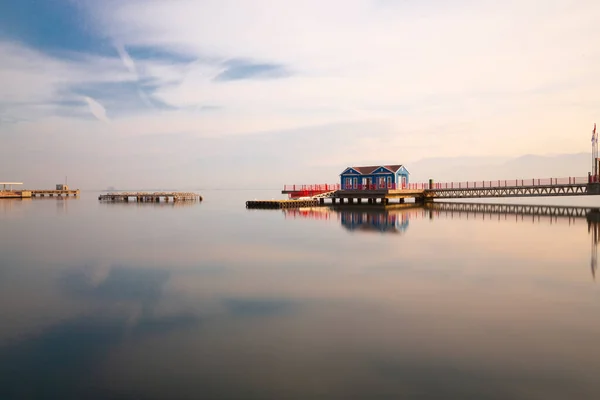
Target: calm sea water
{"x":213,"y":301}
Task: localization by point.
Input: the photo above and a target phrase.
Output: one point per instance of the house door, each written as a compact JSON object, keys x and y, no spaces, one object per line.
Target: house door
{"x":389,"y":182}
{"x":403,"y":181}
{"x":382,"y":182}
{"x":355,"y":183}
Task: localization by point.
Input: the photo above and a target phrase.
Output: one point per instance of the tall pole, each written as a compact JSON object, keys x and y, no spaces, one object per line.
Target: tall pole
{"x":596,"y":149}
{"x":594,"y":154}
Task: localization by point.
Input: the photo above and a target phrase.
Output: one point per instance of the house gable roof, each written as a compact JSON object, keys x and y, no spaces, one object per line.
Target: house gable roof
{"x":366,"y":170}
{"x":351,"y":170}
{"x":394,"y":168}
{"x":371,"y":169}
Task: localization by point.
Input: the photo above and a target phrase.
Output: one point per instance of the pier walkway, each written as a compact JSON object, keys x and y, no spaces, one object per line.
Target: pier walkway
{"x":423,"y":192}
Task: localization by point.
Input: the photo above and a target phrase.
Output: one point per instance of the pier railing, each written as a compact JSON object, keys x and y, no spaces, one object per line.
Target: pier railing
{"x":373,"y":186}
{"x":498,"y":183}
{"x":337,"y":186}
{"x":325,"y":187}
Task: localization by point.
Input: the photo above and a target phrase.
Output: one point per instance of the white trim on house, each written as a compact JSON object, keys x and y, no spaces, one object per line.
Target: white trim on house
{"x":350,"y":169}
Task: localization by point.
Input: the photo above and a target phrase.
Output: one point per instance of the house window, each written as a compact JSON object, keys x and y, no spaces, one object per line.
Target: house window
{"x":348,"y":183}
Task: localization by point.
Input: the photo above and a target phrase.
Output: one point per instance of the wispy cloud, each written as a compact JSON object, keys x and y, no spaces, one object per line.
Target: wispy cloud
{"x":126,"y":59}
{"x":96,"y":109}
{"x":242,"y":69}
{"x":373,"y":58}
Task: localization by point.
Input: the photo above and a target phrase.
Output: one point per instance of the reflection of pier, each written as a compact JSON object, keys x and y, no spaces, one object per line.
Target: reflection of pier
{"x":390,"y":219}
{"x":385,"y":221}
{"x":534,"y":213}
{"x":503,"y":211}
{"x":395,"y":218}
{"x":150,"y":204}
{"x":308,"y":212}
{"x":593,"y":220}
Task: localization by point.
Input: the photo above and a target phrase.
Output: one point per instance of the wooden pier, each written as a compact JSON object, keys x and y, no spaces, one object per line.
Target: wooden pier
{"x":14,"y":195}
{"x":278,"y":204}
{"x":7,"y":192}
{"x":427,"y":192}
{"x":54,"y":193}
{"x":148,"y":197}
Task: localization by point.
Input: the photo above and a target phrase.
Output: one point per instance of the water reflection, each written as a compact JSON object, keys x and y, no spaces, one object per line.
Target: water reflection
{"x":593,"y":218}
{"x":57,"y":361}
{"x":149,"y":204}
{"x":10,"y":207}
{"x":472,"y":301}
{"x":391,"y":219}
{"x":395,"y":218}
{"x":375,"y":221}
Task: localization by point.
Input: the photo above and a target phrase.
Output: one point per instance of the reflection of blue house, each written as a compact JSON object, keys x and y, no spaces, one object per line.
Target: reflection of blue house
{"x":375,"y":177}
{"x":374,"y":221}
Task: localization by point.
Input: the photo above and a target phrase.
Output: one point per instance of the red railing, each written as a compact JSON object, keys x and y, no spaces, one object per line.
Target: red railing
{"x":501,"y":183}
{"x":373,"y":186}
{"x":326,"y":187}
{"x":310,"y":190}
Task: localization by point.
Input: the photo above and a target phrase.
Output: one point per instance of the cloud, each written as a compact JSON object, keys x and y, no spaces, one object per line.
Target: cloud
{"x":34,"y":82}
{"x":373,"y":59}
{"x":96,"y":109}
{"x":241,"y":69}
{"x":127,"y":61}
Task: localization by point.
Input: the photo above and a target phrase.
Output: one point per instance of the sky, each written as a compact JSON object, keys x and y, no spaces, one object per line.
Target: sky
{"x":253,"y":94}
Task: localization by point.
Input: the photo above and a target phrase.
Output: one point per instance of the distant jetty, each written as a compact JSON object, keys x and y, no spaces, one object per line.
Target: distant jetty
{"x":149,"y":197}
{"x":7,"y":192}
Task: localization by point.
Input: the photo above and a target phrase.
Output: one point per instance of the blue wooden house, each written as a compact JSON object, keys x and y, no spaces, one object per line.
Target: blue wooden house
{"x":375,"y":177}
